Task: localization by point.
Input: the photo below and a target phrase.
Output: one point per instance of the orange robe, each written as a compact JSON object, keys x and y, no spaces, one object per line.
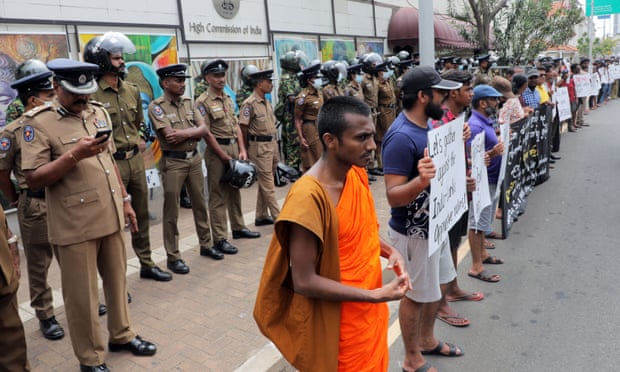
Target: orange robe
{"x":309,"y":333}
{"x":363,"y":325}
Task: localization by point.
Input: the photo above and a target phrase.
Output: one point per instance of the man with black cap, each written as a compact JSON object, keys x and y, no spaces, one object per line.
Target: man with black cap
{"x":34,"y":86}
{"x":258,"y":125}
{"x":122,"y":101}
{"x":483,"y":75}
{"x":66,"y":149}
{"x":307,"y":106}
{"x":179,"y":128}
{"x":224,"y":143}
{"x":408,"y":171}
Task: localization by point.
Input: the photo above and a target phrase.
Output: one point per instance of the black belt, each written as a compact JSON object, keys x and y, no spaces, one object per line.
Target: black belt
{"x":126,"y":155}
{"x":309,"y":122}
{"x":226,"y":141}
{"x":180,"y":154}
{"x":261,"y":138}
{"x":388,"y":106}
{"x":39,"y":194}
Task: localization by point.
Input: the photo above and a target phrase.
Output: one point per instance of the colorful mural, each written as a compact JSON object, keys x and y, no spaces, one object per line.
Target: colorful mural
{"x":337,"y":49}
{"x":16,"y":48}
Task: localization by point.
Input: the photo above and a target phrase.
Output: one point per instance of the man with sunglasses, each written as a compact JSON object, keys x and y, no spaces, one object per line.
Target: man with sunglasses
{"x":485,"y":103}
{"x":408,"y":171}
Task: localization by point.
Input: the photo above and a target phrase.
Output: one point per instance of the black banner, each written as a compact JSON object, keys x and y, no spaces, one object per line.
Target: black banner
{"x":527,"y":166}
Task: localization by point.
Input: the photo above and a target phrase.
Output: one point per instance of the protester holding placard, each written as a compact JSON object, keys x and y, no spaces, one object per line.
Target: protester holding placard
{"x":408,"y":170}
{"x":456,"y":103}
{"x":485,"y":102}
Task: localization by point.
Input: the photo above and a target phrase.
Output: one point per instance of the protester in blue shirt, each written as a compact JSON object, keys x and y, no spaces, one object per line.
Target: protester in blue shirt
{"x":485,"y":102}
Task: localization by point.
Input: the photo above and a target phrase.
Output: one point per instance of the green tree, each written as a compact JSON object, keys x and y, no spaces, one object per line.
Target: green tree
{"x":600,"y":48}
{"x":523,"y":28}
{"x":479,"y":16}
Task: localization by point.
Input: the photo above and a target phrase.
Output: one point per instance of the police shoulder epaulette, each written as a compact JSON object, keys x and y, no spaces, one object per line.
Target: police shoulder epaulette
{"x":159,"y":100}
{"x":96,"y":103}
{"x":36,"y":111}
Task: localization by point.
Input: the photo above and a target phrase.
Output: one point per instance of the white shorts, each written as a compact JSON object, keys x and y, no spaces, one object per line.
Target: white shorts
{"x":426,"y":273}
{"x":486,"y":215}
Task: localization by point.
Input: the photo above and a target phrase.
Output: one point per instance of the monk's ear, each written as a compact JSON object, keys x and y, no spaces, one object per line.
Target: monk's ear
{"x":329,"y":140}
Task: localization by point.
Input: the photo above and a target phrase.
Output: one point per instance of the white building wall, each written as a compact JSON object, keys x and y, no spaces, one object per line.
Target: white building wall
{"x":307,"y":16}
{"x":114,"y":11}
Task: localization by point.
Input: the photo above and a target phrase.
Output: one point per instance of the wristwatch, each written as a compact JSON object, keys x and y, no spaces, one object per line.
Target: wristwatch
{"x":127,"y":199}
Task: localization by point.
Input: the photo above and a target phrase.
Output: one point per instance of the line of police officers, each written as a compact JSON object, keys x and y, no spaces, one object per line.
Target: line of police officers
{"x":59,"y":152}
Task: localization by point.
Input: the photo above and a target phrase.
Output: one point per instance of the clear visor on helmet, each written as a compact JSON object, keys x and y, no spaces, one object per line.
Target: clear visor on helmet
{"x":304,"y":61}
{"x":115,"y":42}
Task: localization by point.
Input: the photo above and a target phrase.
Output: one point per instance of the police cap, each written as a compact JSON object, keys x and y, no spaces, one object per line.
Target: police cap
{"x":214,"y":67}
{"x":178,"y":70}
{"x":312,"y":70}
{"x":262,"y":75}
{"x":75,"y":76}
{"x":483,"y":57}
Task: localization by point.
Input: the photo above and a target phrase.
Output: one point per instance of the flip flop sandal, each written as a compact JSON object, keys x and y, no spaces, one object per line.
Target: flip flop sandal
{"x":474,"y":296}
{"x":494,"y":235}
{"x":492,"y":260}
{"x":455,"y":321}
{"x":424,"y":368}
{"x":437,"y":350}
{"x":485,"y":276}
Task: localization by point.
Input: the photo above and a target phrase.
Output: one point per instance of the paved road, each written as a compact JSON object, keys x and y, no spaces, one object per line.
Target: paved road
{"x":556,"y":307}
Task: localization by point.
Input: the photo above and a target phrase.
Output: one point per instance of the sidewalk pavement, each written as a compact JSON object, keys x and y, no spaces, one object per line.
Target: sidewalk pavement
{"x":200,"y":322}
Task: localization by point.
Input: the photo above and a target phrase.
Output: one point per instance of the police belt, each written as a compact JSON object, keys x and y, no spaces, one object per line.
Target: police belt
{"x":391,"y":105}
{"x":309,"y":122}
{"x":180,"y":154}
{"x":39,"y":194}
{"x":261,"y":138}
{"x":226,"y":141}
{"x":126,"y":155}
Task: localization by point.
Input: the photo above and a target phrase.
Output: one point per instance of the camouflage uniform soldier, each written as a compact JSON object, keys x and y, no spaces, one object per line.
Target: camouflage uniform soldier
{"x":247,"y":88}
{"x":201,"y":87}
{"x":14,"y":110}
{"x":288,"y":89}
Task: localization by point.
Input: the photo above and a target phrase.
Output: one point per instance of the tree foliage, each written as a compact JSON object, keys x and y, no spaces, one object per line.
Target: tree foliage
{"x":600,"y":48}
{"x":521,"y":29}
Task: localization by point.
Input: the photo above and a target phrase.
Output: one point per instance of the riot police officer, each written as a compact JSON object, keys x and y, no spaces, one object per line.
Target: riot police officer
{"x":34,"y":87}
{"x":372,"y":63}
{"x":246,"y":90}
{"x":354,"y":77}
{"x":386,"y":108}
{"x":333,"y":75}
{"x":122,"y":101}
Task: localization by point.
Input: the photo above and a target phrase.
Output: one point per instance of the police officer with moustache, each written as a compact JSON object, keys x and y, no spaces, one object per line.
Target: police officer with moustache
{"x":288,"y":89}
{"x":225,"y":143}
{"x":258,"y":125}
{"x":307,"y":106}
{"x":14,"y":355}
{"x":34,"y":87}
{"x":179,"y":128}
{"x":122,"y":101}
{"x":67,"y":151}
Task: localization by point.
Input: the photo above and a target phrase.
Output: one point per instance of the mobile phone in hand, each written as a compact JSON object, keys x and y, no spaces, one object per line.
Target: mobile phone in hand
{"x":103,"y":132}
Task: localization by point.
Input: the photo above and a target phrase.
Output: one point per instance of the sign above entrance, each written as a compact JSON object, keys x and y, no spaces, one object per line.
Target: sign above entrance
{"x":232,"y":21}
{"x":602,"y":7}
